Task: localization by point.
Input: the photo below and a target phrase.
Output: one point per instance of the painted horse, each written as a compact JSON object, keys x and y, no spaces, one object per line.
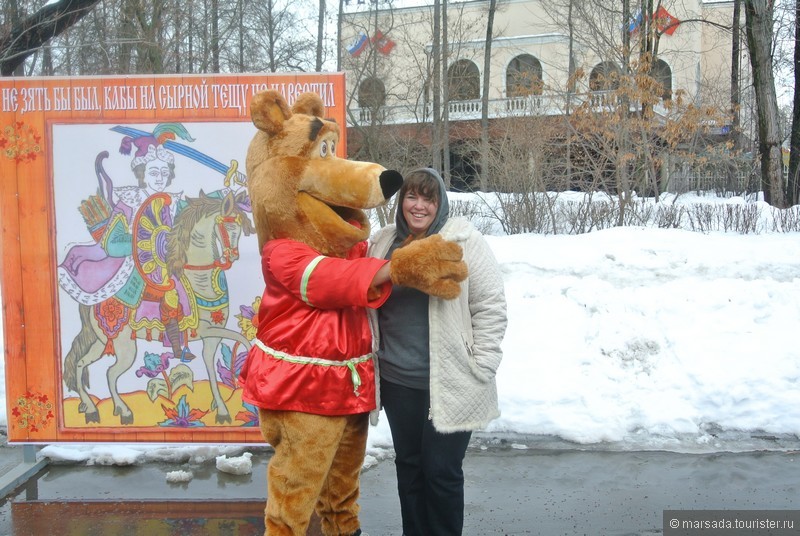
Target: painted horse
{"x":192,"y":253}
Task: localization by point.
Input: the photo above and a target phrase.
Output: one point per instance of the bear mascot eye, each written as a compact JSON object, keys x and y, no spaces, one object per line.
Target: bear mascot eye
{"x":323,"y":149}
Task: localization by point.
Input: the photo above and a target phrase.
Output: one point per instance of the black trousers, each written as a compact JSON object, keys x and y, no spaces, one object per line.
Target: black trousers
{"x":430,"y":478}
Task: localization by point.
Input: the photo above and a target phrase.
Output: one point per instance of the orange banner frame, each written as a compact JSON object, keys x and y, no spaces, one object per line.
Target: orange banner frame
{"x":66,"y":179}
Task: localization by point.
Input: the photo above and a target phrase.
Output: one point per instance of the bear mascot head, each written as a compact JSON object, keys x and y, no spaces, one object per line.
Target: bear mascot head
{"x":299,"y":188}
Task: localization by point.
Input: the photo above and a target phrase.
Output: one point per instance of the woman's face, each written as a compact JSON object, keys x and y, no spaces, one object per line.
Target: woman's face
{"x":156,"y":175}
{"x":419,"y":212}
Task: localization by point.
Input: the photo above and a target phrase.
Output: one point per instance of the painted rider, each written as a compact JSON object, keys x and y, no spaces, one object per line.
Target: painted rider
{"x":154,"y":168}
{"x":126,"y":269}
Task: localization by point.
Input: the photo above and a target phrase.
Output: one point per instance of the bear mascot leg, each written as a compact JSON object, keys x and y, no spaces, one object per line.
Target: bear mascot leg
{"x":325,"y":481}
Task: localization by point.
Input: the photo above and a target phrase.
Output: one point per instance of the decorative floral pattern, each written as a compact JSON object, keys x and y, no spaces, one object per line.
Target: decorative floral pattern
{"x":229,"y":367}
{"x":33,"y":411}
{"x":112,"y":316}
{"x":248,"y":320}
{"x":20,"y":142}
{"x":218,"y":317}
{"x":249,"y":416}
{"x":154,"y":364}
{"x":182,"y":415}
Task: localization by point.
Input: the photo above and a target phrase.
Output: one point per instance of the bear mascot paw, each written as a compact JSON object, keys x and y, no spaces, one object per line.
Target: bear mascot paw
{"x":432,"y":265}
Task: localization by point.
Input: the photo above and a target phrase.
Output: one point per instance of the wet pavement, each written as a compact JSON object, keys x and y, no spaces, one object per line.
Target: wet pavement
{"x":509,"y":490}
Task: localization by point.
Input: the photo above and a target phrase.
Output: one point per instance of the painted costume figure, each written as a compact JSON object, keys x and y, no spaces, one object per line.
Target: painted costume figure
{"x":156,"y":272}
{"x":117,"y":266}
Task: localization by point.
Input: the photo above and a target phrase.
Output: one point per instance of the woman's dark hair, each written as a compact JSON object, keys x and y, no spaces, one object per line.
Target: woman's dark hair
{"x":420,"y":182}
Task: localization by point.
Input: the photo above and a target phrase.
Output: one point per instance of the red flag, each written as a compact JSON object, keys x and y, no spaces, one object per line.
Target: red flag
{"x":665,"y":23}
{"x":382,"y":42}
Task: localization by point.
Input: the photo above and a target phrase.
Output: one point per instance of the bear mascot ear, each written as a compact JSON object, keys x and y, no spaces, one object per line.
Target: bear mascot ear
{"x":309,"y":104}
{"x":269,"y":111}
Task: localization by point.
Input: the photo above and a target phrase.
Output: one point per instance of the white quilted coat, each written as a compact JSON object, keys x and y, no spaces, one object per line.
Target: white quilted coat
{"x":465,"y":334}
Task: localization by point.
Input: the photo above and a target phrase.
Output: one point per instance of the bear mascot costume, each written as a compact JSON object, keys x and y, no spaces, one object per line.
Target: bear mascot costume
{"x":311,"y":370}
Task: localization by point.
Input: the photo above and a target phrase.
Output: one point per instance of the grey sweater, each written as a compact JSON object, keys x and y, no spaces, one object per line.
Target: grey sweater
{"x":465,"y":334}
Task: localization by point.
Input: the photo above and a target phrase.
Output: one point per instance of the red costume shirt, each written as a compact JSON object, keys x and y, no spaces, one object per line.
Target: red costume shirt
{"x":313,"y":351}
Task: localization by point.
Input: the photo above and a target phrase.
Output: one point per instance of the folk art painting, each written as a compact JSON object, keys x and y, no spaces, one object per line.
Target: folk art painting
{"x":130,"y":271}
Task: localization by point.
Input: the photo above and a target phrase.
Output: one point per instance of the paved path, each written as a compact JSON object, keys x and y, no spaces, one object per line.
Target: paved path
{"x":509,"y":491}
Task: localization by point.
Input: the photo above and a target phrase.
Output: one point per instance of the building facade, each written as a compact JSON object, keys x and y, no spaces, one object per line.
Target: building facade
{"x":545,"y":57}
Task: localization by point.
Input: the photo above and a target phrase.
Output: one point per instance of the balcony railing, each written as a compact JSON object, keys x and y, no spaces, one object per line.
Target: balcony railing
{"x":465,"y":110}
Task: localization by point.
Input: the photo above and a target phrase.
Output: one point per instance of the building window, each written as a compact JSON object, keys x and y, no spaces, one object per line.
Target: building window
{"x":524,"y":76}
{"x":464,"y":80}
{"x":662,"y":74}
{"x":371,"y":94}
{"x":604,"y":77}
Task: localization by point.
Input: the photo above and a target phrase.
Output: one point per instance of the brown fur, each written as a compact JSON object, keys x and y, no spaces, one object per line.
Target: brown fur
{"x":299,"y":189}
{"x":338,"y":442}
{"x":431,"y":264}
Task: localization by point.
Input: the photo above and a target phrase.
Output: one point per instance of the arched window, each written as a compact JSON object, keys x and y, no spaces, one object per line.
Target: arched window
{"x":662,"y":74}
{"x":371,"y":94}
{"x":524,"y":76}
{"x":604,"y":76}
{"x":465,"y":81}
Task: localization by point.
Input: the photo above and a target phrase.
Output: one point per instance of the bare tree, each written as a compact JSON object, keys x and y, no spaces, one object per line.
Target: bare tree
{"x":759,"y":16}
{"x":26,"y":35}
{"x":278,"y":39}
{"x":446,"y":88}
{"x":487,"y":62}
{"x":735,"y":53}
{"x":215,"y":36}
{"x":172,"y":36}
{"x":437,"y":84}
{"x":793,"y":187}
{"x":320,"y":35}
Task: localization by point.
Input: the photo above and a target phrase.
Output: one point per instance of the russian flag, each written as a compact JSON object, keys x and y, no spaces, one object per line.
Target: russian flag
{"x":635,"y":22}
{"x":359,"y":45}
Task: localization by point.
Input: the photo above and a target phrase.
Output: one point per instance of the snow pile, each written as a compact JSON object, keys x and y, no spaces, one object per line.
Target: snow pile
{"x":240,"y":465}
{"x":179,"y":477}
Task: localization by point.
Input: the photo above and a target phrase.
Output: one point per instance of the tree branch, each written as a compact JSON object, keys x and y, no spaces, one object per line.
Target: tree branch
{"x":28,"y":35}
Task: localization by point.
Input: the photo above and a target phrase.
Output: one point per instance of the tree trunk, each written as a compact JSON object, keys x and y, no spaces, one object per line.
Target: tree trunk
{"x":759,"y":21}
{"x":242,"y":39}
{"x":190,"y":8}
{"x":793,"y":188}
{"x":445,"y":99}
{"x":215,"y":36}
{"x":339,"y":46}
{"x":487,"y":62}
{"x":622,"y":185}
{"x":320,"y":34}
{"x":626,"y":36}
{"x":271,"y":37}
{"x":436,"y":146}
{"x":150,"y":58}
{"x":735,"y":53}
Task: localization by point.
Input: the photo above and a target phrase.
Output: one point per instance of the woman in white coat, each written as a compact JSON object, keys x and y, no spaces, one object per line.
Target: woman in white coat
{"x":437,"y":360}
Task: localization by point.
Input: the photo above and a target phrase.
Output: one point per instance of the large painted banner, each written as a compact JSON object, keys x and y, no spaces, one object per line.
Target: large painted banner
{"x":130,"y":268}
